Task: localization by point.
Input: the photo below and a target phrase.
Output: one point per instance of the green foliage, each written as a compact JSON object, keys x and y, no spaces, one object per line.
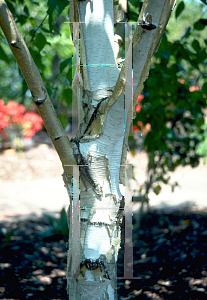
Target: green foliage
{"x":42,"y":24}
{"x":59,"y":226}
{"x":174,"y":98}
{"x":134,"y":8}
{"x":55,"y":8}
{"x":3,"y":55}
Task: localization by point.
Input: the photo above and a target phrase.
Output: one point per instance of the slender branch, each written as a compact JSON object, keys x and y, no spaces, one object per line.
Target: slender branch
{"x":148,"y":36}
{"x":33,"y":35}
{"x":144,"y":44}
{"x":36,"y":85}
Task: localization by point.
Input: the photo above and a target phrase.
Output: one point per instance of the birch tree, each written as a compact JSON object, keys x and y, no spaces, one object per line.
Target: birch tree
{"x":94,"y":160}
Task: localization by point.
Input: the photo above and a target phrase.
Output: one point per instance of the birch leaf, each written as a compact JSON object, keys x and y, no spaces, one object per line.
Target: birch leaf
{"x":200,"y":24}
{"x":179,"y":9}
{"x":40,"y":41}
{"x":65,"y":63}
{"x":55,"y":7}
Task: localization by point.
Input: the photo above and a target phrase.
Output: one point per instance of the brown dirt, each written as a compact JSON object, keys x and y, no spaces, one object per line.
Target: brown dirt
{"x":169,"y":260}
{"x":41,"y":161}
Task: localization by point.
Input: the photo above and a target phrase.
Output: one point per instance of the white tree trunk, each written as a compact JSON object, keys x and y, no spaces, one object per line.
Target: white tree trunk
{"x":101,"y":142}
{"x":97,"y":249}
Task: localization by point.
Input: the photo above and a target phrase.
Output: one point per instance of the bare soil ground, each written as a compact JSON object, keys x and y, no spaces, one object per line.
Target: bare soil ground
{"x":169,"y":259}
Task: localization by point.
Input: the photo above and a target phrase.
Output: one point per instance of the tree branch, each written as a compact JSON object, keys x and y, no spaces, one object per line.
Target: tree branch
{"x":36,"y":85}
{"x":145,"y":43}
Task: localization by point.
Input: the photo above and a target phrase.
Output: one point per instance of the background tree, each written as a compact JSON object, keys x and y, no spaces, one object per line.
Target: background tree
{"x":172,"y":126}
{"x":99,"y":171}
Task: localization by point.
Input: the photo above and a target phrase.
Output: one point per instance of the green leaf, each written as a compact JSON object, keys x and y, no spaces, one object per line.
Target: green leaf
{"x":32,"y":22}
{"x":63,"y":120}
{"x":204,"y":88}
{"x":69,"y":75}
{"x":157,"y":189}
{"x":11,"y":6}
{"x":65,"y":63}
{"x":3,"y":56}
{"x":55,"y":7}
{"x":40,"y":41}
{"x":37,"y":58}
{"x":179,"y":9}
{"x":26,"y":10}
{"x":133,"y":16}
{"x":196,"y":46}
{"x":67,"y":96}
{"x":200,"y":24}
{"x":22,"y":19}
{"x":187,"y":33}
{"x":135,"y":3}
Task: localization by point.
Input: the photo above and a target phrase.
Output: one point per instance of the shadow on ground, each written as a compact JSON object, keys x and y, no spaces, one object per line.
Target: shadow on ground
{"x":169,"y":259}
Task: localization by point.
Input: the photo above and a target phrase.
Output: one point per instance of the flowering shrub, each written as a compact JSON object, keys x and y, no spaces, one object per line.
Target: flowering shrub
{"x":144,"y":129}
{"x":15,"y":123}
{"x":139,"y":126}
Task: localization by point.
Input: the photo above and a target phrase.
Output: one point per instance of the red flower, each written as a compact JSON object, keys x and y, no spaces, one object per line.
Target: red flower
{"x":3,"y":118}
{"x":14,"y":109}
{"x":13,"y":113}
{"x":4,"y":122}
{"x":28,"y":133}
{"x":138,"y":108}
{"x":193,"y":88}
{"x":148,"y":127}
{"x":135,"y":129}
{"x":17,"y":119}
{"x":140,"y":97}
{"x":182,"y":81}
{"x":34,"y":119}
{"x":31,"y":123}
{"x":2,"y":106}
{"x":140,"y":124}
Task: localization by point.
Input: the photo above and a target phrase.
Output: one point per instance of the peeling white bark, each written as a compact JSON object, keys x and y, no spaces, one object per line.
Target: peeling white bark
{"x":99,"y":235}
{"x":98,"y":34}
{"x":99,"y":146}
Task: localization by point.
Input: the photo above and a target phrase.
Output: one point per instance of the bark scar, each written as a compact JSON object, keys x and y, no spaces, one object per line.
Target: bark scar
{"x":14,"y":44}
{"x":94,"y":114}
{"x":84,"y":168}
{"x":40,"y":100}
{"x":146,"y":22}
